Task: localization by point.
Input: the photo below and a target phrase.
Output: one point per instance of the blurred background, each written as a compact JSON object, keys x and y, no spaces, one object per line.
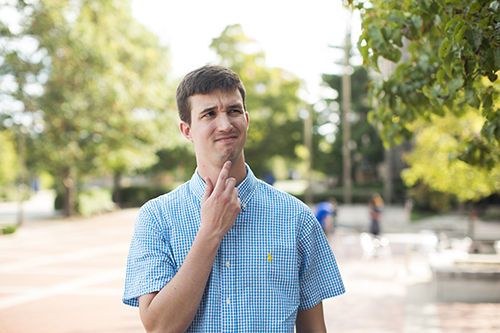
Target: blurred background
{"x":347,"y":100}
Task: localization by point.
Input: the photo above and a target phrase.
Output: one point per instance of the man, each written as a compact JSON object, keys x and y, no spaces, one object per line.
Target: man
{"x":325,"y":214}
{"x":226,"y":252}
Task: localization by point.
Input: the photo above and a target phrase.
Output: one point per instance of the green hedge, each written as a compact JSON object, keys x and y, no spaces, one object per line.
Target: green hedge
{"x":88,"y":202}
{"x":359,"y":194}
{"x":136,"y":196}
{"x":8,"y":230}
{"x":94,"y":201}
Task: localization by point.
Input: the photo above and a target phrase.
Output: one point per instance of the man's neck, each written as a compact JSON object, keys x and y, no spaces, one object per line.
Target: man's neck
{"x":238,"y":171}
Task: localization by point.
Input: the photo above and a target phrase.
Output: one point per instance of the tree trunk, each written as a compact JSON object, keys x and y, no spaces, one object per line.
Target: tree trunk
{"x":388,"y":186}
{"x":70,"y":188}
{"x":117,"y":188}
{"x":21,"y":174}
{"x":346,"y":126}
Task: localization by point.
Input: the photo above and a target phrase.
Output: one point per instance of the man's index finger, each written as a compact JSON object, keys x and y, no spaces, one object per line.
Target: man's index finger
{"x":224,"y":173}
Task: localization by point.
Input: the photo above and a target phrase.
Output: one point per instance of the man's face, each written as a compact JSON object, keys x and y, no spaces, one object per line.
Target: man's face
{"x":218,"y":127}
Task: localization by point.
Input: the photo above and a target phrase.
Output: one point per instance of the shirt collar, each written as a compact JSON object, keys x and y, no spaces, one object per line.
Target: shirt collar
{"x":245,"y":188}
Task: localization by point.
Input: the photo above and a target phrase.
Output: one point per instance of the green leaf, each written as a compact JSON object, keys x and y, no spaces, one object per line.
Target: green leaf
{"x":497,"y":134}
{"x":477,"y":37}
{"x":474,"y":8}
{"x":435,"y":102}
{"x":459,"y":35}
{"x":394,"y":55}
{"x":494,"y":5}
{"x":441,"y":3}
{"x":444,"y":50}
{"x":492,"y":77}
{"x":447,"y":64}
{"x":471,"y":97}
{"x":427,"y":91}
{"x":364,"y":50}
{"x":489,"y":130}
{"x":452,"y":21}
{"x":397,"y":37}
{"x":454,"y":84}
{"x":487,"y":100}
{"x":440,"y":75}
{"x":370,"y":116}
{"x":374,"y":62}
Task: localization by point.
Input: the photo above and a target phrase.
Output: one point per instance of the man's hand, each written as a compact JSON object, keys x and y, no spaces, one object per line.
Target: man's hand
{"x":220,"y":205}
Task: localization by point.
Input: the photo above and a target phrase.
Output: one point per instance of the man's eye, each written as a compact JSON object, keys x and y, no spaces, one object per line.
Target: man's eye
{"x":235,"y":110}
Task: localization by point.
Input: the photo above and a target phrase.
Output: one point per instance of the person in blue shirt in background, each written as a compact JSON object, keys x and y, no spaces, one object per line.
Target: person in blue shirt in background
{"x":326,"y":212}
{"x":226,"y":252}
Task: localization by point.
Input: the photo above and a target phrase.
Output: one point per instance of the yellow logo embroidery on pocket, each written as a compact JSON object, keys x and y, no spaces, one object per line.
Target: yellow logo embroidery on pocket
{"x":269,"y":258}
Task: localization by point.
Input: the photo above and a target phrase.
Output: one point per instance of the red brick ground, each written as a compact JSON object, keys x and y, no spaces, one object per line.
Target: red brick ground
{"x":67,"y":277}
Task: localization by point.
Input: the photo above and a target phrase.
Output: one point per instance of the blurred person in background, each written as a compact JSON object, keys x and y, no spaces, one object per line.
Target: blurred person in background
{"x":326,"y":212}
{"x":376,"y":205}
{"x":226,"y":251}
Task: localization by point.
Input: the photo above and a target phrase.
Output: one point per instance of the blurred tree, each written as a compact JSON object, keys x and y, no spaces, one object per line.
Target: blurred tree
{"x":366,"y":145}
{"x":452,"y":45}
{"x":271,"y":100}
{"x":21,"y":77}
{"x":179,"y":161}
{"x":105,"y":93}
{"x":8,"y":159}
{"x":432,"y":161}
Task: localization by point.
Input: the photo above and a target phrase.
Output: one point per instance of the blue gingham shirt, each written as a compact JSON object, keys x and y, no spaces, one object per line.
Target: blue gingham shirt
{"x":274,"y":261}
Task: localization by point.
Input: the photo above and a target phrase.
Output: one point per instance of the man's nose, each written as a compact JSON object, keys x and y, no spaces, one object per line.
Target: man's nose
{"x":224,"y":123}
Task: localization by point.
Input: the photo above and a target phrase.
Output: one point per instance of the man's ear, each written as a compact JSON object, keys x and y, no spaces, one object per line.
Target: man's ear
{"x":248,"y":119}
{"x":186,"y":130}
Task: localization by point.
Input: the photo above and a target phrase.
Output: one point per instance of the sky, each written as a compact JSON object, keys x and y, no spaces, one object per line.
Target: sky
{"x":295,"y":35}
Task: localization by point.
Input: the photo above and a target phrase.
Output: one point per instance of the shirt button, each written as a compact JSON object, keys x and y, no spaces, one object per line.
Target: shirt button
{"x":228,"y":264}
{"x":228,"y":301}
{"x":243,"y":206}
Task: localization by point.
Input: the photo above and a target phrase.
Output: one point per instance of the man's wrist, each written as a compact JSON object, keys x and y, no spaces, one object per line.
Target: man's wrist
{"x":209,"y":237}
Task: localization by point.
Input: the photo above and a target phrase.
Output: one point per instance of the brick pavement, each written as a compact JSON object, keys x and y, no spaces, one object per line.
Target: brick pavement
{"x":59,"y":276}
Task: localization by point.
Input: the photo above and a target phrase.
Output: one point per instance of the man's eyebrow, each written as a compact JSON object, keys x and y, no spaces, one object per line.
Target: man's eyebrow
{"x":209,"y":109}
{"x":236,"y":106}
{"x":212,"y":108}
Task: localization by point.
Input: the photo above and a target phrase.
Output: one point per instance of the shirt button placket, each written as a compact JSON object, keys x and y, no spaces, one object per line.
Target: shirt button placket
{"x":228,"y":264}
{"x":228,"y":298}
{"x":225,"y":287}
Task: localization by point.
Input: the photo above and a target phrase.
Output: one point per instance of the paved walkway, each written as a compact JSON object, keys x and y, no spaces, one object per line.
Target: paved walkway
{"x":66,"y":276}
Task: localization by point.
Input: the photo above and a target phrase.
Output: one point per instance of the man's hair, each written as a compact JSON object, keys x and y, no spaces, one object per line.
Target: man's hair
{"x":203,"y":81}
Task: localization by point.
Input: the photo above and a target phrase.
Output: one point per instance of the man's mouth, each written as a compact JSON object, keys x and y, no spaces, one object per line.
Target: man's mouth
{"x":226,"y":138}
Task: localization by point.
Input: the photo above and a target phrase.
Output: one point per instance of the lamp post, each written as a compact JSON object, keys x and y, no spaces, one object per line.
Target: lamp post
{"x":346,"y":108}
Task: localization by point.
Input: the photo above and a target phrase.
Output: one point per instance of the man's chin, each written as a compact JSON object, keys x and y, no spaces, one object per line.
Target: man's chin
{"x":229,"y":156}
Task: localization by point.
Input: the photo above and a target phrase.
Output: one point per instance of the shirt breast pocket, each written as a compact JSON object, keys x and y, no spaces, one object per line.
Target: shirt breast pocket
{"x":282,"y":272}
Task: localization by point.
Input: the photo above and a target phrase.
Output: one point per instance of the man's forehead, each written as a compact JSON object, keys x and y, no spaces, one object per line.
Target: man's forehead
{"x":217,"y":98}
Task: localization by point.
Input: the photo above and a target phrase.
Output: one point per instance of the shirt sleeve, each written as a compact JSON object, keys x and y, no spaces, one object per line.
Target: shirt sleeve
{"x":319,"y":276}
{"x":149,"y":264}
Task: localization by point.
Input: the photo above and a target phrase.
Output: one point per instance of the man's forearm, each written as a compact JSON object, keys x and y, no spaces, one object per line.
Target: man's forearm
{"x":311,"y":320}
{"x":173,"y":308}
